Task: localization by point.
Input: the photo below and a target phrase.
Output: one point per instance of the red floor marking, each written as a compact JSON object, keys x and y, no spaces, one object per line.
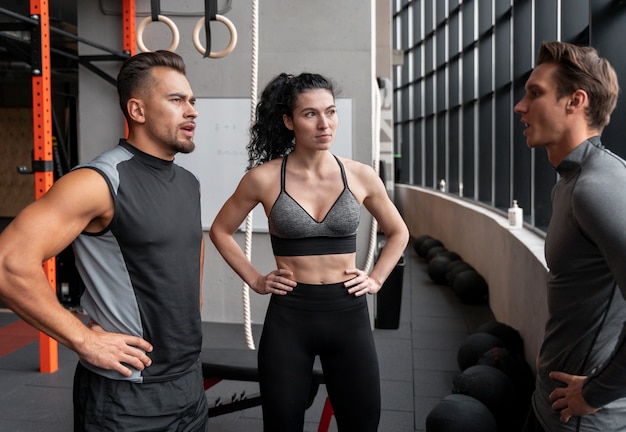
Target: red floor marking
{"x":16,"y":335}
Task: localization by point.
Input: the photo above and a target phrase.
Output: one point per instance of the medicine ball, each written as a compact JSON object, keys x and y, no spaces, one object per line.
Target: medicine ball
{"x":417,"y":243}
{"x":437,"y":269}
{"x":434,"y":251}
{"x":518,"y":370}
{"x":473,"y":347}
{"x":454,"y":268}
{"x":470,"y":287}
{"x":427,"y":245}
{"x":460,"y":413}
{"x":510,"y":336}
{"x":440,"y":250}
{"x":452,"y":255}
{"x":498,"y":357}
{"x":513,"y":365}
{"x":490,"y":386}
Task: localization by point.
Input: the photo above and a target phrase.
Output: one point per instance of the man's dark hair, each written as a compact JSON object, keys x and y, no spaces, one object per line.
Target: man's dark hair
{"x":582,"y":68}
{"x":136,"y":73}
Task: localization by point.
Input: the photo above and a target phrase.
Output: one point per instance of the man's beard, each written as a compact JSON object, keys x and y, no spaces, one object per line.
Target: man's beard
{"x":186,"y":147}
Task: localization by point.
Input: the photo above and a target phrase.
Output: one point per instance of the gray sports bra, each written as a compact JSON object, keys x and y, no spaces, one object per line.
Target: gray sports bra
{"x":294,"y":232}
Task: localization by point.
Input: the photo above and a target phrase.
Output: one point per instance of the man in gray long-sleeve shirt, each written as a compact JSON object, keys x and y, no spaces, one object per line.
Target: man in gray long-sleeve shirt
{"x":581,"y":368}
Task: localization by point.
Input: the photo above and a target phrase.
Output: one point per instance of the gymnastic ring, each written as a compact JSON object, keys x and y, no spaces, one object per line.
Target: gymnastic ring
{"x":147,"y":20}
{"x":233,"y":37}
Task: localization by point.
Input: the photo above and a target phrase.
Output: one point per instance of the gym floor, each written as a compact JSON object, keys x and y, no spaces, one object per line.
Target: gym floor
{"x":417,"y":364}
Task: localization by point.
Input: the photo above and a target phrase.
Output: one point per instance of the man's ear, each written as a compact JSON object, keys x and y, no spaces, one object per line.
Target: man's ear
{"x":136,"y":110}
{"x":577,"y":100}
{"x":288,"y":122}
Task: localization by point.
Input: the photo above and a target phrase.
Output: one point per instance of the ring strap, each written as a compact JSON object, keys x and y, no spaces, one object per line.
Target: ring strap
{"x":155,"y":9}
{"x":210,"y":11}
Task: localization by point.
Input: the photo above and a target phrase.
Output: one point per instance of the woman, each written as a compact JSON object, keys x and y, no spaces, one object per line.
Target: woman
{"x":312,"y":199}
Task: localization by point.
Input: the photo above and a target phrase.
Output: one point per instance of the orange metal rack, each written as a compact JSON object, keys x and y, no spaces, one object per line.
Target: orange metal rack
{"x":43,"y":162}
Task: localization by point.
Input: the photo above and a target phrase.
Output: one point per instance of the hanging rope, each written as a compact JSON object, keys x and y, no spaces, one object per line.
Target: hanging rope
{"x":369,"y":261}
{"x":248,"y":239}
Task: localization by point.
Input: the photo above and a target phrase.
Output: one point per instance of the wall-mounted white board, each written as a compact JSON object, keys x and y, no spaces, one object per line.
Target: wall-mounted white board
{"x":220,"y":158}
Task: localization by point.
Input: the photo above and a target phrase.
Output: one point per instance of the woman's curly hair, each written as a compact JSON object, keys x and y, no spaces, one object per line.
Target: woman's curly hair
{"x":269,"y":137}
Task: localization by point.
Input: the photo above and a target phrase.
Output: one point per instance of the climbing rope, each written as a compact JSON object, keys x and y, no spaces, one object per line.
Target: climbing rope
{"x":369,"y":261}
{"x":248,"y":238}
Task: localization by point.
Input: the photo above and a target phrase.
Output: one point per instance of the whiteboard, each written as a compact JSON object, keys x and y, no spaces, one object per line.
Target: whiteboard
{"x":220,"y":157}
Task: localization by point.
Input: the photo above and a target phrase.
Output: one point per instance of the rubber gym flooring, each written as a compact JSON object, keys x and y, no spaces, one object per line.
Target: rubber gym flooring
{"x":417,"y":363}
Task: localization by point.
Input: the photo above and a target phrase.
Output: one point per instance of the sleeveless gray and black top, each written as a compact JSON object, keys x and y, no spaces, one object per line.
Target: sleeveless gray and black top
{"x":142,"y":273}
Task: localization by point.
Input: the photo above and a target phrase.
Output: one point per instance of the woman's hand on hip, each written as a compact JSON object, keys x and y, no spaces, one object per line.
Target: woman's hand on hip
{"x":275,"y":282}
{"x":361,"y":283}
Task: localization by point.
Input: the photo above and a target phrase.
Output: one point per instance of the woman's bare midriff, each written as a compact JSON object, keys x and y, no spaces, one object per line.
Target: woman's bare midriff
{"x":318,"y":269}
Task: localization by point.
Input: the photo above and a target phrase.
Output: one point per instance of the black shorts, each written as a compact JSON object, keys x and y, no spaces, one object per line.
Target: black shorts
{"x":102,"y":404}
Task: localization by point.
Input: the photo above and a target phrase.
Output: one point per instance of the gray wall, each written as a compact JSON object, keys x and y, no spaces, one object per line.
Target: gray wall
{"x":511,"y":260}
{"x":335,"y":38}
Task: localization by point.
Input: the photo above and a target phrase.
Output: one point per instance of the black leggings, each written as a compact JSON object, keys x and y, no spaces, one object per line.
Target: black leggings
{"x":319,"y":320}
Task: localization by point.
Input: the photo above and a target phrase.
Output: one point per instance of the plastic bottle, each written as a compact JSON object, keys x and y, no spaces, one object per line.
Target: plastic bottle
{"x":516,"y":216}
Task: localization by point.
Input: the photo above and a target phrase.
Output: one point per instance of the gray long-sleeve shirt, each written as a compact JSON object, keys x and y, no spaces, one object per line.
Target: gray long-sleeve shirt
{"x":586,"y":254}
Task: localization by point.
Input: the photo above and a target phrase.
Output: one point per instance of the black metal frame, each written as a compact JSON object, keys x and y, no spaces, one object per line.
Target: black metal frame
{"x":31,"y":24}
